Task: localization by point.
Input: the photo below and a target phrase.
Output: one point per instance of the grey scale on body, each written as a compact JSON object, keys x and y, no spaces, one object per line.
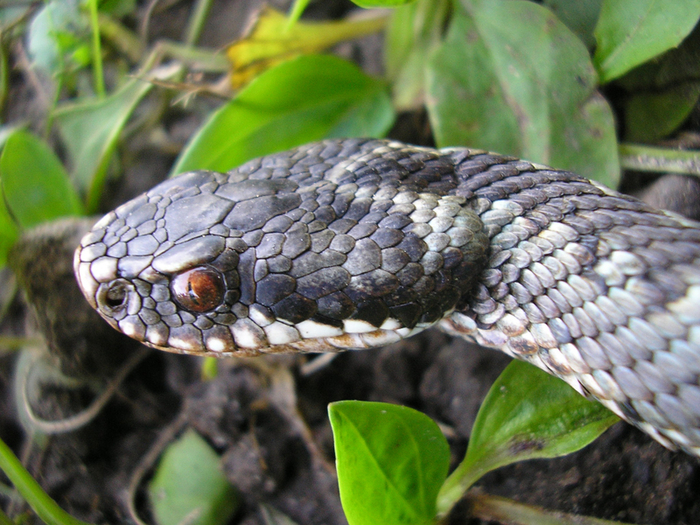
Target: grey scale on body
{"x":355,"y":243}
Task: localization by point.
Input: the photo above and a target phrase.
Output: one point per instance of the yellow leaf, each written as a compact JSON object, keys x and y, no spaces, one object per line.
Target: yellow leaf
{"x":270,"y":40}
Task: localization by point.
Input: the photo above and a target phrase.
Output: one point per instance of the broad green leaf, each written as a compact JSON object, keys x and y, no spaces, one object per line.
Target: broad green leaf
{"x":8,"y":228}
{"x":305,"y":99}
{"x":526,"y":414}
{"x":118,"y":8}
{"x":630,"y":32}
{"x":55,"y":31}
{"x":652,"y":116}
{"x":579,"y":15}
{"x":90,"y":131}
{"x":273,"y":39}
{"x":511,"y":78}
{"x":414,"y":31}
{"x":662,"y":93}
{"x":34,"y":183}
{"x":391,"y":463}
{"x":6,"y":132}
{"x":188,"y":486}
{"x":8,"y":233}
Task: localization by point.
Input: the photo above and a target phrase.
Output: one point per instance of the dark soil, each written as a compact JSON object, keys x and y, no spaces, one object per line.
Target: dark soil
{"x":266,"y":418}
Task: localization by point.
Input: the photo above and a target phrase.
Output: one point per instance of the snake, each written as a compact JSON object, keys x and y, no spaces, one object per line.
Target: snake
{"x":350,"y":244}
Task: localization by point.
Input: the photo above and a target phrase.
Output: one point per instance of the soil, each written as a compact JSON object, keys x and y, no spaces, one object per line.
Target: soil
{"x":266,"y":417}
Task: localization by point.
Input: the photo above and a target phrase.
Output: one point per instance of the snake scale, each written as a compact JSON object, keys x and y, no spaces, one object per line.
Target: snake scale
{"x":358,"y":243}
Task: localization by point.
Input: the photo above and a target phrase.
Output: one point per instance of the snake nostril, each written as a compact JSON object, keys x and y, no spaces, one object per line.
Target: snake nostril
{"x":113,"y":298}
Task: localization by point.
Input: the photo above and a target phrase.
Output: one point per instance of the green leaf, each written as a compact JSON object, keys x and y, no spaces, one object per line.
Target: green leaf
{"x":118,"y":8}
{"x":630,"y":32}
{"x":662,"y":93}
{"x":52,"y":33}
{"x":6,"y":132}
{"x":8,"y":228}
{"x":652,"y":116}
{"x":391,"y":463}
{"x":90,"y":131}
{"x":414,"y":31}
{"x":34,"y":183}
{"x":188,"y":486}
{"x":305,"y":99}
{"x":274,"y":38}
{"x":8,"y":233}
{"x":526,"y":414}
{"x":579,"y":15}
{"x":511,"y":78}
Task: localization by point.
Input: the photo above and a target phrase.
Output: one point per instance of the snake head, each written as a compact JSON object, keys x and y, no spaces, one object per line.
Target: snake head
{"x":162,"y":265}
{"x":280,"y":255}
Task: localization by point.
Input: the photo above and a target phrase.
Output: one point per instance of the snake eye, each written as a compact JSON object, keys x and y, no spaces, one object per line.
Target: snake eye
{"x":200,"y":289}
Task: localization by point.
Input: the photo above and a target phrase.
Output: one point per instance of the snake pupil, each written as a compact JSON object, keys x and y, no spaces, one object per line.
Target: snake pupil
{"x":200,"y":289}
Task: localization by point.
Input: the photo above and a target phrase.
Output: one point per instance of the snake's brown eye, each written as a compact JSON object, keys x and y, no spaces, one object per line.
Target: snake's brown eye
{"x":200,"y":289}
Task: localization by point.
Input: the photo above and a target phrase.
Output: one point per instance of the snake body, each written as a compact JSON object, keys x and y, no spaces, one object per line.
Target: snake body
{"x":352,"y":244}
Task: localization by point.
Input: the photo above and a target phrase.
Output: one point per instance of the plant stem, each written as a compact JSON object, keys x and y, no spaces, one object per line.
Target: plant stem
{"x":96,"y":50}
{"x":121,"y":37}
{"x":296,"y":11}
{"x":4,"y":74}
{"x":457,"y":485}
{"x":503,"y":510}
{"x":196,"y":23}
{"x":197,"y":57}
{"x":45,"y":507}
{"x":646,"y":158}
{"x":9,"y":343}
